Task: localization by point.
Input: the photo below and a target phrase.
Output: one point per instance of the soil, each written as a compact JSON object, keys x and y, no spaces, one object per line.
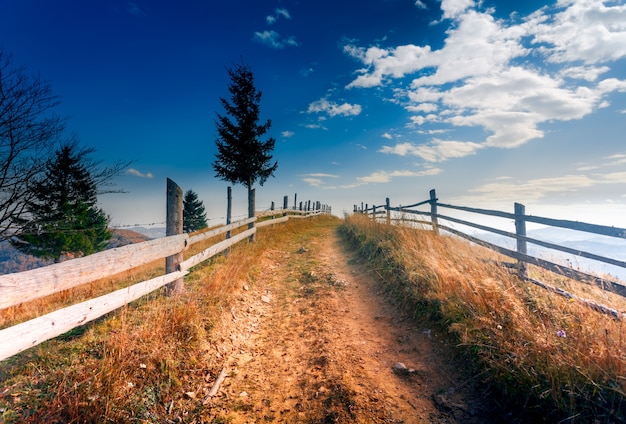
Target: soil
{"x":313,"y":340}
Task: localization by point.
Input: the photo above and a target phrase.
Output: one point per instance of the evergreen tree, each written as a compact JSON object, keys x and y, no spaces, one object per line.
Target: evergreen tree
{"x":242,"y":157}
{"x":64,"y":218}
{"x":194,"y":216}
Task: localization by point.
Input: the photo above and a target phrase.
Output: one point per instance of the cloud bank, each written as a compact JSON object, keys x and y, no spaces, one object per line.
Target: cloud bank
{"x":506,"y":77}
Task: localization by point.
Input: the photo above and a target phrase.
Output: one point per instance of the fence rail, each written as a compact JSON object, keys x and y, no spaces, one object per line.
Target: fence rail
{"x":521,"y":253}
{"x":25,"y":286}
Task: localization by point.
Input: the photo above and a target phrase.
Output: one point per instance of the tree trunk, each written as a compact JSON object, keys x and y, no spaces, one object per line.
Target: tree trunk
{"x":251,"y":208}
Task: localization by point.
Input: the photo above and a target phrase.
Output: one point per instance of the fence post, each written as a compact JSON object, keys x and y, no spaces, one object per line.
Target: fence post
{"x":433,"y":211}
{"x":174,"y":226}
{"x":285,"y":205}
{"x":374,"y":212}
{"x":388,"y":212}
{"x":520,"y":232}
{"x":295,"y":201}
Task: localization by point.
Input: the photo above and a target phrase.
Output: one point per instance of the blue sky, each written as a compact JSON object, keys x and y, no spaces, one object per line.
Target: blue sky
{"x":488,"y":102}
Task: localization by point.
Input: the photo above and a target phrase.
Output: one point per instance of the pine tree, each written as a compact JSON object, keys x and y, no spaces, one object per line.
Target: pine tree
{"x":242,"y":157}
{"x":64,"y":218}
{"x":194,"y":216}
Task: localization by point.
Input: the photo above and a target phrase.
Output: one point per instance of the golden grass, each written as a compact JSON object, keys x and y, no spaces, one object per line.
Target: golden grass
{"x":136,"y":364}
{"x":29,"y":310}
{"x":554,"y":357}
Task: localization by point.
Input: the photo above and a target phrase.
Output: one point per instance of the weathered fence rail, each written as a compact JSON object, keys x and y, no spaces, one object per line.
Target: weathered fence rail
{"x":25,"y":286}
{"x":520,"y":219}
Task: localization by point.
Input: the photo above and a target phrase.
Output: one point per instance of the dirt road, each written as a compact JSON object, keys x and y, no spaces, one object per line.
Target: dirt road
{"x":312,"y":340}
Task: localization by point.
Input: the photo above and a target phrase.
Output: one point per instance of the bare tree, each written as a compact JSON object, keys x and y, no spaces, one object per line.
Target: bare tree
{"x":29,"y":131}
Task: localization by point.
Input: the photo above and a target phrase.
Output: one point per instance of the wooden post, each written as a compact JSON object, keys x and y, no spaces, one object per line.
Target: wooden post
{"x":520,"y":231}
{"x":388,"y":212}
{"x":295,"y":201}
{"x":286,"y":205}
{"x":433,"y":211}
{"x":251,"y":210}
{"x":174,"y":226}
{"x":229,"y":214}
{"x":374,"y":212}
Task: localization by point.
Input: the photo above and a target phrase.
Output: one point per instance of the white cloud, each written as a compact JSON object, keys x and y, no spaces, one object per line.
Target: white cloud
{"x":395,"y":62}
{"x":453,"y":8}
{"x":333,"y":109}
{"x":136,"y":173}
{"x":587,"y":30}
{"x":317,"y":179}
{"x":315,"y":126}
{"x":435,"y":151}
{"x":423,"y":107}
{"x":284,"y":13}
{"x":313,"y":182}
{"x":385,"y":177}
{"x":587,"y":73}
{"x":322,"y":175}
{"x":271,"y":19}
{"x":387,"y":136}
{"x":420,"y":4}
{"x":531,"y":190}
{"x":288,"y":134}
{"x":507,"y":191}
{"x":618,"y":159}
{"x":274,"y":40}
{"x":505,"y":77}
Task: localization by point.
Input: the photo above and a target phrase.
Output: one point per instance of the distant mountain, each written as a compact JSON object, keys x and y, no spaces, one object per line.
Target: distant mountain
{"x":124,"y":237}
{"x":12,"y":260}
{"x":610,"y":247}
{"x":152,"y":232}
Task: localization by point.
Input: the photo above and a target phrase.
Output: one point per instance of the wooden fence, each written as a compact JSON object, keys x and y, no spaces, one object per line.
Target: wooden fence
{"x":30,"y":285}
{"x":521,"y":254}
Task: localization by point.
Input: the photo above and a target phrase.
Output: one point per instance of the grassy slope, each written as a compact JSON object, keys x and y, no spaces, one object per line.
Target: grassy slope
{"x":550,"y":359}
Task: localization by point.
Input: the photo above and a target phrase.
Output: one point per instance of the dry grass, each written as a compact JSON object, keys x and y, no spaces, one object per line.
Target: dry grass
{"x":136,"y":364}
{"x":556,"y":359}
{"x":29,"y":310}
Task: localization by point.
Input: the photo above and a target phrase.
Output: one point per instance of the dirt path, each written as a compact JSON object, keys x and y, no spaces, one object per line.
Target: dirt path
{"x":312,"y":341}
